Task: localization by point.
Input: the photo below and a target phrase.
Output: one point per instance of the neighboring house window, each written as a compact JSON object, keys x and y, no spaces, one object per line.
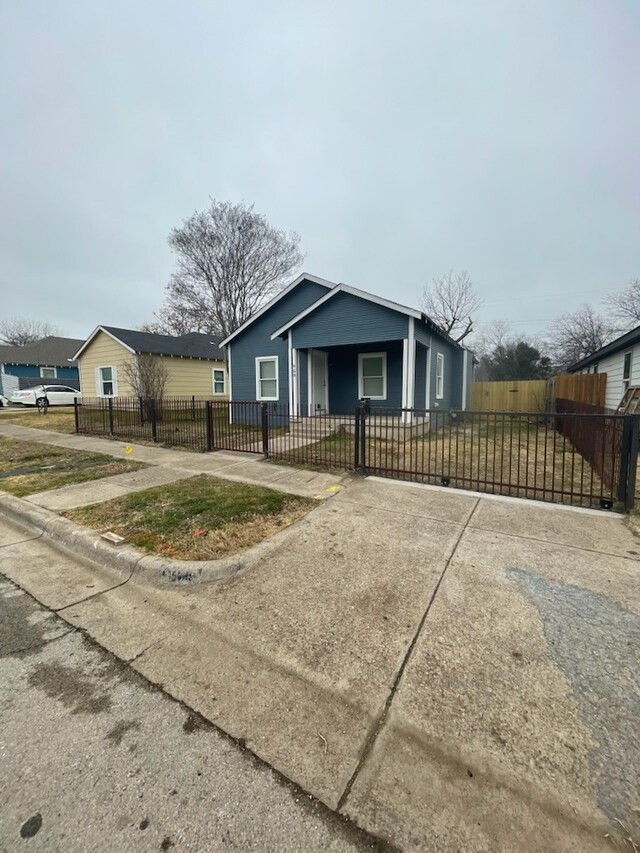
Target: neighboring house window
{"x":106,"y":382}
{"x":372,"y":375}
{"x":218,"y":381}
{"x":595,"y":367}
{"x":48,"y":373}
{"x":626,"y":371}
{"x":439,"y":376}
{"x":267,"y":378}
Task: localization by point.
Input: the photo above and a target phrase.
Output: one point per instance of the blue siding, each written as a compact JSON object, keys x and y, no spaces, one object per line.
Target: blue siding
{"x":452,"y":374}
{"x":33,"y":371}
{"x":343,"y":376}
{"x":421,"y":377}
{"x":303,"y":373}
{"x":422,"y":333}
{"x":345,"y":319}
{"x":256,"y":341}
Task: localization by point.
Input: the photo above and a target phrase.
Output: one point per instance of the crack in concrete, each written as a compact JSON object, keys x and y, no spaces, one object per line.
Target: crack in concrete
{"x":379,"y":723}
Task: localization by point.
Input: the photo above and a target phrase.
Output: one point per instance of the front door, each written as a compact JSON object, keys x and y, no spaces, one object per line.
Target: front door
{"x":319,"y":375}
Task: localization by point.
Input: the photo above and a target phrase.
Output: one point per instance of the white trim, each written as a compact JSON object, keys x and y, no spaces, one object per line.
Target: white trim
{"x":292,"y":411}
{"x":353,"y":291}
{"x":361,"y":357}
{"x":230,"y":384}
{"x":267,"y":399}
{"x":465,"y":354}
{"x":411,"y":368}
{"x":92,"y":336}
{"x":304,"y":276}
{"x":427,"y":390}
{"x":48,"y":367}
{"x":309,"y":379}
{"x":213,"y":382}
{"x":440,"y":361}
{"x":296,"y":383}
{"x":99,"y":380}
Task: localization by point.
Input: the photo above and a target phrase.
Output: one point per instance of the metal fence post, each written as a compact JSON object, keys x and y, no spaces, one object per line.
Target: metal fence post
{"x":193,"y":407}
{"x":111,"y":415}
{"x":264,"y":417}
{"x":154,"y":420}
{"x":362,"y":437}
{"x":208,"y":413}
{"x":76,"y":414}
{"x":356,"y":443}
{"x":141,"y":402}
{"x":629,"y":460}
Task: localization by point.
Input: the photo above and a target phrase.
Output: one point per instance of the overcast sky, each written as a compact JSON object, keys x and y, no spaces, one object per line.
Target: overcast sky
{"x":400,"y":139}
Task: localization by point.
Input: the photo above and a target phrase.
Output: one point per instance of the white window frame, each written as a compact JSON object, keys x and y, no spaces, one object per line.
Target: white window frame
{"x":221,"y":370}
{"x":259,"y":360}
{"x":439,"y":376}
{"x":100,"y":383}
{"x":361,"y":358}
{"x":55,"y":373}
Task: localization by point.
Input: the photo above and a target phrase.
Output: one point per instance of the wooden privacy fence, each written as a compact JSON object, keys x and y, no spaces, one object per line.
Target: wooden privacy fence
{"x":520,"y":395}
{"x":538,"y":395}
{"x":589,"y":388}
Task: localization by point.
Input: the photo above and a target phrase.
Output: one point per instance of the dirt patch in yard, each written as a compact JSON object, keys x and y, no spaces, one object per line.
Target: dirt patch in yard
{"x":27,"y":467}
{"x":202,"y":518}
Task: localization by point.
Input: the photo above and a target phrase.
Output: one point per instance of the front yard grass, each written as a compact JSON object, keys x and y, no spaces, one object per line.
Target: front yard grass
{"x":202,"y":518}
{"x":58,"y":420}
{"x":27,"y":467}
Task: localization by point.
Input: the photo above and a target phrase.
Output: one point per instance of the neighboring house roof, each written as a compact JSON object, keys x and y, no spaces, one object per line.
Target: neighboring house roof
{"x":303,"y":277}
{"x":622,"y":343}
{"x":191,"y":345}
{"x":48,"y":352}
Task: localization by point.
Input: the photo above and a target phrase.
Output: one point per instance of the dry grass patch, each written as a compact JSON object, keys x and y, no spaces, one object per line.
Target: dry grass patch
{"x":202,"y":518}
{"x":58,"y":420}
{"x":27,"y":467}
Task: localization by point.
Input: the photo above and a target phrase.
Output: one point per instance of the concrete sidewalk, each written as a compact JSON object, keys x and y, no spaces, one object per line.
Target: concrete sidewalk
{"x":452,"y":672}
{"x":239,"y":467}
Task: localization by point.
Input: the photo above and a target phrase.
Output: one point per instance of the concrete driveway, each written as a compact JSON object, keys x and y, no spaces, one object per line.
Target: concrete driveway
{"x":451,"y":672}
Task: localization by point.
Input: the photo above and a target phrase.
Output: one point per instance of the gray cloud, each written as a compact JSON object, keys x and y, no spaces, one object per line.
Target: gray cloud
{"x":399,"y":139}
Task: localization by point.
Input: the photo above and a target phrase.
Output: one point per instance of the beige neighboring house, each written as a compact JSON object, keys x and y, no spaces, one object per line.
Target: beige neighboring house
{"x":194,"y":363}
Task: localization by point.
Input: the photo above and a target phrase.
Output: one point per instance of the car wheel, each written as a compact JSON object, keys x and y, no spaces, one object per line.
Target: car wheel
{"x":42,"y":403}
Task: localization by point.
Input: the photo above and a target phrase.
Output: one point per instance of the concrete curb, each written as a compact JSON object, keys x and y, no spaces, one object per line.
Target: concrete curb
{"x":127,"y":560}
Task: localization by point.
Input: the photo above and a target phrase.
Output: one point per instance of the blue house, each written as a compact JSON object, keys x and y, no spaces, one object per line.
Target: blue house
{"x":320,"y":347}
{"x":47,"y":360}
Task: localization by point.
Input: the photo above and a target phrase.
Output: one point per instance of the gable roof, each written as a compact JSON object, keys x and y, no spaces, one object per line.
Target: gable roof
{"x":623,"y":342}
{"x":302,"y":277}
{"x":369,"y":297}
{"x":51,"y":351}
{"x":191,"y":345}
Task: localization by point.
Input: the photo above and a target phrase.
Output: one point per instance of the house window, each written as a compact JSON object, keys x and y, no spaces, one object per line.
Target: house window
{"x":439,"y":376}
{"x":372,"y":375}
{"x":626,"y":371}
{"x":218,"y":381}
{"x":106,"y":384}
{"x":48,"y":373}
{"x":267,"y":378}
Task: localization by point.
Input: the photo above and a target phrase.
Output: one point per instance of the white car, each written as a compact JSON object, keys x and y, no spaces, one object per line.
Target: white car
{"x":3,"y":402}
{"x":46,"y":395}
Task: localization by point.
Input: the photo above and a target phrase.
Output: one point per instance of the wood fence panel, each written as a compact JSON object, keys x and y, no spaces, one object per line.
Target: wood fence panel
{"x":520,"y":395}
{"x":590,"y":388}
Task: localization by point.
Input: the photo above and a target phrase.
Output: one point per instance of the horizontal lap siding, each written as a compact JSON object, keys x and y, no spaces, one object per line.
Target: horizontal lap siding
{"x":452,"y":374}
{"x":613,"y":366}
{"x":421,"y":377}
{"x":345,"y":319}
{"x":422,"y":333}
{"x":256,"y":341}
{"x":191,"y":377}
{"x":343,"y":376}
{"x":103,"y":351}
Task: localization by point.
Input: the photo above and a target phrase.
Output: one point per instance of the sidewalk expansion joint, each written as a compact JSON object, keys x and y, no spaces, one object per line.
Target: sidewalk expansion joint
{"x":379,"y":723}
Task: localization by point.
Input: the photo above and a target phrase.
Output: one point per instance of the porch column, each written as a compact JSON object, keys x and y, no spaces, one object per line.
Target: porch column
{"x":293,"y":377}
{"x":409,"y":372}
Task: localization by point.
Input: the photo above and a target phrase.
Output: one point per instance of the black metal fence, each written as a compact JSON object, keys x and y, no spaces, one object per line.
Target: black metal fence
{"x":583,"y":458}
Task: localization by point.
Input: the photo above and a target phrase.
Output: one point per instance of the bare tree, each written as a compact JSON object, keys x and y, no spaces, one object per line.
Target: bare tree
{"x":451,"y":302}
{"x":576,"y":335}
{"x":147,"y":375}
{"x":19,"y":331}
{"x":491,"y":335}
{"x":229,"y":261}
{"x":624,"y":305}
